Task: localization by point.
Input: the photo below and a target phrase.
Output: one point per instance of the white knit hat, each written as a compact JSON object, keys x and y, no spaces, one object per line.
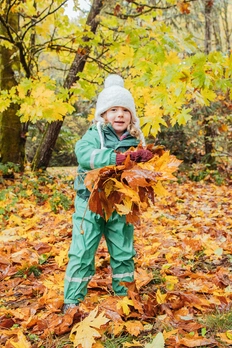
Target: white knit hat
{"x":114,"y":94}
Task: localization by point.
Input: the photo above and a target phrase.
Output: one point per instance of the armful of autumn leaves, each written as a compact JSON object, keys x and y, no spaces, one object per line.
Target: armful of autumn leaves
{"x":130,"y":188}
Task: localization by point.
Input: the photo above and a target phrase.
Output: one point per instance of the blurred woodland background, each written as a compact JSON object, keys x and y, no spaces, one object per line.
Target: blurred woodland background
{"x":175,"y":57}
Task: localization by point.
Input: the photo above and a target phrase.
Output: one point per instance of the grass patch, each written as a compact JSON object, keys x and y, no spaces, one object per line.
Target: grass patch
{"x":117,"y":342}
{"x":218,"y":321}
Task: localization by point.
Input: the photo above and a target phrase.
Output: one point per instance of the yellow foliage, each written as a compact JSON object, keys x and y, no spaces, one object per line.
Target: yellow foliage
{"x":40,"y":101}
{"x":125,"y":56}
{"x":4,"y":103}
{"x":153,"y":118}
{"x":208,"y":95}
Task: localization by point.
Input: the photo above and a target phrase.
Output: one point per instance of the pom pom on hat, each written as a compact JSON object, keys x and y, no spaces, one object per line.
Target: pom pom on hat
{"x":114,"y":94}
{"x":113,"y":80}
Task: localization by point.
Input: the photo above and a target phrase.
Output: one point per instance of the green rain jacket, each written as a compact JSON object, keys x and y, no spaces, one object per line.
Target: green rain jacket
{"x":97,"y":149}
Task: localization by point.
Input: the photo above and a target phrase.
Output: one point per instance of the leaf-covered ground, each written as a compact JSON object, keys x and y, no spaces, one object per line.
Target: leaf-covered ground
{"x":183,"y":289}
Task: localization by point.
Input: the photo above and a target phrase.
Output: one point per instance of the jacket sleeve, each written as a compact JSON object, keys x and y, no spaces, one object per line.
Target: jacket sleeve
{"x":89,"y":153}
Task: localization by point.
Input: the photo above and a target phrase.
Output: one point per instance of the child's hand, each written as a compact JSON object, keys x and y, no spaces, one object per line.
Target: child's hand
{"x":120,"y":158}
{"x":141,"y":156}
{"x":136,"y":156}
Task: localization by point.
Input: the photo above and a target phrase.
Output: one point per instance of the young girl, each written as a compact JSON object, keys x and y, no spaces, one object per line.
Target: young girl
{"x":116,"y":130}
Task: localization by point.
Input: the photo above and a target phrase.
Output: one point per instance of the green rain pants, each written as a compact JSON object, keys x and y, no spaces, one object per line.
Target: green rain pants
{"x":81,"y":267}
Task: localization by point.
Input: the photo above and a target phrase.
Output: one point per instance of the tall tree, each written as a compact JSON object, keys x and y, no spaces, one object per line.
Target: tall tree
{"x":18,"y":53}
{"x":226,"y":19}
{"x":44,"y":152}
{"x":12,"y":141}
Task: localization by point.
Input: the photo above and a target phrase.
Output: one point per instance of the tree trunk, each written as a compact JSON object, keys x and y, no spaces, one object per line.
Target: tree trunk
{"x":208,"y":130}
{"x":12,"y":143}
{"x":44,"y":152}
{"x":226,"y":25}
{"x":208,"y":9}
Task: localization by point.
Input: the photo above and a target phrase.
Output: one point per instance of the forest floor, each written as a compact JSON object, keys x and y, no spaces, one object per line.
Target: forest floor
{"x":182,"y":293}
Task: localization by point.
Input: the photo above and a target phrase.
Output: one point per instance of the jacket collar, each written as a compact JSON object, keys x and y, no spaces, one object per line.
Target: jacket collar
{"x":111,"y":129}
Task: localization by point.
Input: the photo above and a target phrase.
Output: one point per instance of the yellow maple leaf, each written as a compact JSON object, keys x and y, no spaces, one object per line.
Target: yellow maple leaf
{"x":29,"y":9}
{"x":108,"y":187}
{"x":160,"y":190}
{"x":170,"y":281}
{"x":22,"y":341}
{"x":116,"y":327}
{"x":124,"y":305}
{"x":42,"y":30}
{"x":208,"y":95}
{"x":54,"y":281}
{"x":152,"y":120}
{"x":160,"y":297}
{"x":15,"y":220}
{"x":125,"y":56}
{"x":132,"y":194}
{"x":125,"y":208}
{"x":166,"y":164}
{"x":61,"y":259}
{"x":83,"y":334}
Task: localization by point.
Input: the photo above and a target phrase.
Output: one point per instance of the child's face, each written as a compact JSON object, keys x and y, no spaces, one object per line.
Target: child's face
{"x":119,"y":117}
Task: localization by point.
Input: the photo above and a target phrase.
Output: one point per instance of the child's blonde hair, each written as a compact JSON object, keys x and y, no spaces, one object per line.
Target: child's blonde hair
{"x":134,"y":131}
